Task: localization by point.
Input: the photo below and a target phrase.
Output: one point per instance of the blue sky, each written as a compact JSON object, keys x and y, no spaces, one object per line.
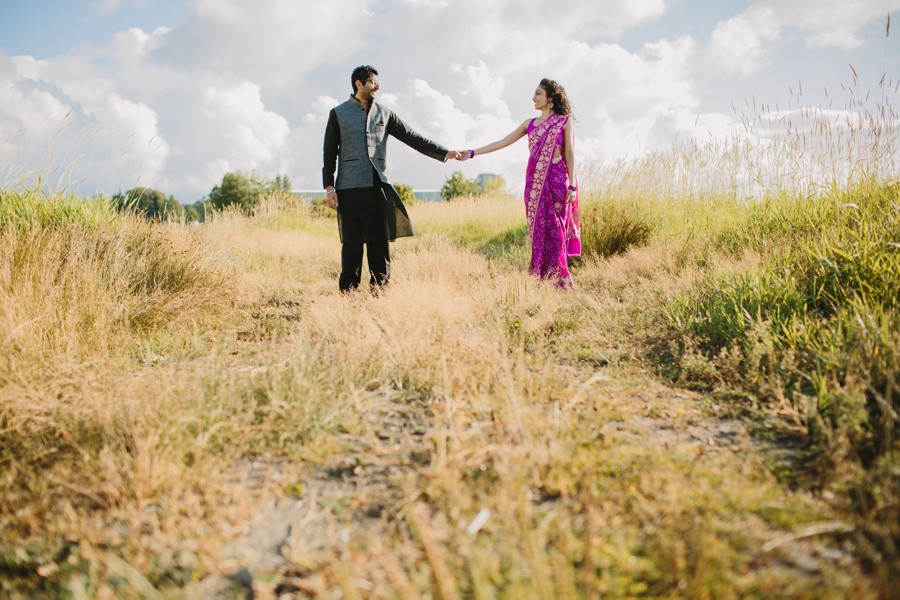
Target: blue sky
{"x":103,"y":95}
{"x":50,"y":28}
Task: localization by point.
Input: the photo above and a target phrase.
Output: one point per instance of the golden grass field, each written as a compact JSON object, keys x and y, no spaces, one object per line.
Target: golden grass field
{"x":179,"y":404}
{"x":195,"y":412}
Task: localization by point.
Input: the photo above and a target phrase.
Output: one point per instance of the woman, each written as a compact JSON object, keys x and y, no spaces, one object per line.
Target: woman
{"x":551,"y":190}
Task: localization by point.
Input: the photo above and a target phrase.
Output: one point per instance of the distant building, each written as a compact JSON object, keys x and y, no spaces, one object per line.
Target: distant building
{"x":311,"y":194}
{"x":423,"y":195}
{"x":483,"y":178}
{"x":428,"y":195}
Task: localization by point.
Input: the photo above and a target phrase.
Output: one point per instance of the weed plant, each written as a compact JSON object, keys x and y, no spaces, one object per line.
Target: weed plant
{"x":31,"y":208}
{"x":610,"y":228}
{"x":816,"y":323}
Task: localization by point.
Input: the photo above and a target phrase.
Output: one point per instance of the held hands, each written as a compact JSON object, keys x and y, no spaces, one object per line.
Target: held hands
{"x":460,"y":155}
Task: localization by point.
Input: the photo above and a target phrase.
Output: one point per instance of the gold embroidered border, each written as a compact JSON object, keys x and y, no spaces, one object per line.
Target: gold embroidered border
{"x":542,"y":166}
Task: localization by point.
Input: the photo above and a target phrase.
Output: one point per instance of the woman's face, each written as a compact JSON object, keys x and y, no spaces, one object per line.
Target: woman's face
{"x":540,"y":98}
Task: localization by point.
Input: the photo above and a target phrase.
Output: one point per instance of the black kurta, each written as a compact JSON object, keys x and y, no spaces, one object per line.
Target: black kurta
{"x":372,"y":213}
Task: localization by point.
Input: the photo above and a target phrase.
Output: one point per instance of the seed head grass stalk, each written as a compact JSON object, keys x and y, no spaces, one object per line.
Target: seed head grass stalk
{"x":123,"y":437}
{"x":145,"y":365}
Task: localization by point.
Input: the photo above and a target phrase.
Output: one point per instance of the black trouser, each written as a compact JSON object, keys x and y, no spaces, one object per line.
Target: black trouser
{"x":362,"y":218}
{"x":379,"y":258}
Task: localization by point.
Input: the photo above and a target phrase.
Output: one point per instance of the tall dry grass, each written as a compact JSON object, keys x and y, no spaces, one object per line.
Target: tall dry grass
{"x":784,"y":238}
{"x":144,"y":365}
{"x":79,"y":280}
{"x":86,"y":297}
{"x":127,"y":452}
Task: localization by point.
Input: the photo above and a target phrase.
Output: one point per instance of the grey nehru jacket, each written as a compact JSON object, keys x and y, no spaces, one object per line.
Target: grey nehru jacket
{"x":356,"y":142}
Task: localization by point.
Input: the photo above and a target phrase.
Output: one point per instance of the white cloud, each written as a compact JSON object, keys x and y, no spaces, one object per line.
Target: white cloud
{"x":323,"y":104}
{"x":247,"y":84}
{"x":28,"y":120}
{"x":104,"y":6}
{"x":741,"y":45}
{"x":831,"y":23}
{"x":151,"y":149}
{"x":251,"y":135}
{"x":60,"y":117}
{"x":484,"y":90}
{"x":267,"y":41}
{"x":132,"y":46}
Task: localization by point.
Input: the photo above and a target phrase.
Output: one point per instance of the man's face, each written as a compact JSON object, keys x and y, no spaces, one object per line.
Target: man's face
{"x":369,"y":88}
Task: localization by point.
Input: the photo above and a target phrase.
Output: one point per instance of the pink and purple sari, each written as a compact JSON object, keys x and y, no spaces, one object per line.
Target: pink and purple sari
{"x":553,"y":224}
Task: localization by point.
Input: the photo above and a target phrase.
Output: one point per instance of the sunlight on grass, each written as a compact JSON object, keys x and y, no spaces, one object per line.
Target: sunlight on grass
{"x":470,"y":431}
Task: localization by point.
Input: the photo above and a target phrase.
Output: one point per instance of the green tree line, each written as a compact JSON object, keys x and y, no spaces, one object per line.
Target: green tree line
{"x":243,"y":191}
{"x":458,"y":185}
{"x":237,"y":189}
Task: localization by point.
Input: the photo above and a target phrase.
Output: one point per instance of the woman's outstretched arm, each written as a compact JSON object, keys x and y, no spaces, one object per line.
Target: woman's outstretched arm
{"x":516,"y":135}
{"x":569,"y":132}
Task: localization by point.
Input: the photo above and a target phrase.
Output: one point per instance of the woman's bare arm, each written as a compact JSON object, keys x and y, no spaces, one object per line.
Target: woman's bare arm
{"x":569,"y":132}
{"x":518,"y":133}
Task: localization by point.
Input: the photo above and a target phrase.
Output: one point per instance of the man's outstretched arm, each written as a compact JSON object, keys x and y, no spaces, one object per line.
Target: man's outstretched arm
{"x":403,"y":132}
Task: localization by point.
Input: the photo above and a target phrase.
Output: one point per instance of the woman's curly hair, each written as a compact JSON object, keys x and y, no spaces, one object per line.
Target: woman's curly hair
{"x":559,"y":102}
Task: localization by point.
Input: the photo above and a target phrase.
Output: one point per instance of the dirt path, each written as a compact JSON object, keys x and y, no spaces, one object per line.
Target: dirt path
{"x":293,"y":545}
{"x":565,"y":470}
{"x":291,"y":539}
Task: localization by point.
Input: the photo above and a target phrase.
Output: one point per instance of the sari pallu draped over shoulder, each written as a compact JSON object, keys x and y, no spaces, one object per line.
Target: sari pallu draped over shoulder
{"x":553,"y":224}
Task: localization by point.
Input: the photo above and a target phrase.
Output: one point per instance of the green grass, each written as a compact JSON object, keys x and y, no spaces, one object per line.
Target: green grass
{"x":609,"y":228}
{"x":32,"y":207}
{"x":812,"y":327}
{"x":510,"y":245}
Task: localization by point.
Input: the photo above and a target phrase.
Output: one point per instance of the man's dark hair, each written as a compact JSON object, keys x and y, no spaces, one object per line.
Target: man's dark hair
{"x":361,"y":73}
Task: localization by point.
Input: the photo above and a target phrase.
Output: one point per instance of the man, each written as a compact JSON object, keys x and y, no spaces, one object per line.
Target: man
{"x":369,"y":209}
